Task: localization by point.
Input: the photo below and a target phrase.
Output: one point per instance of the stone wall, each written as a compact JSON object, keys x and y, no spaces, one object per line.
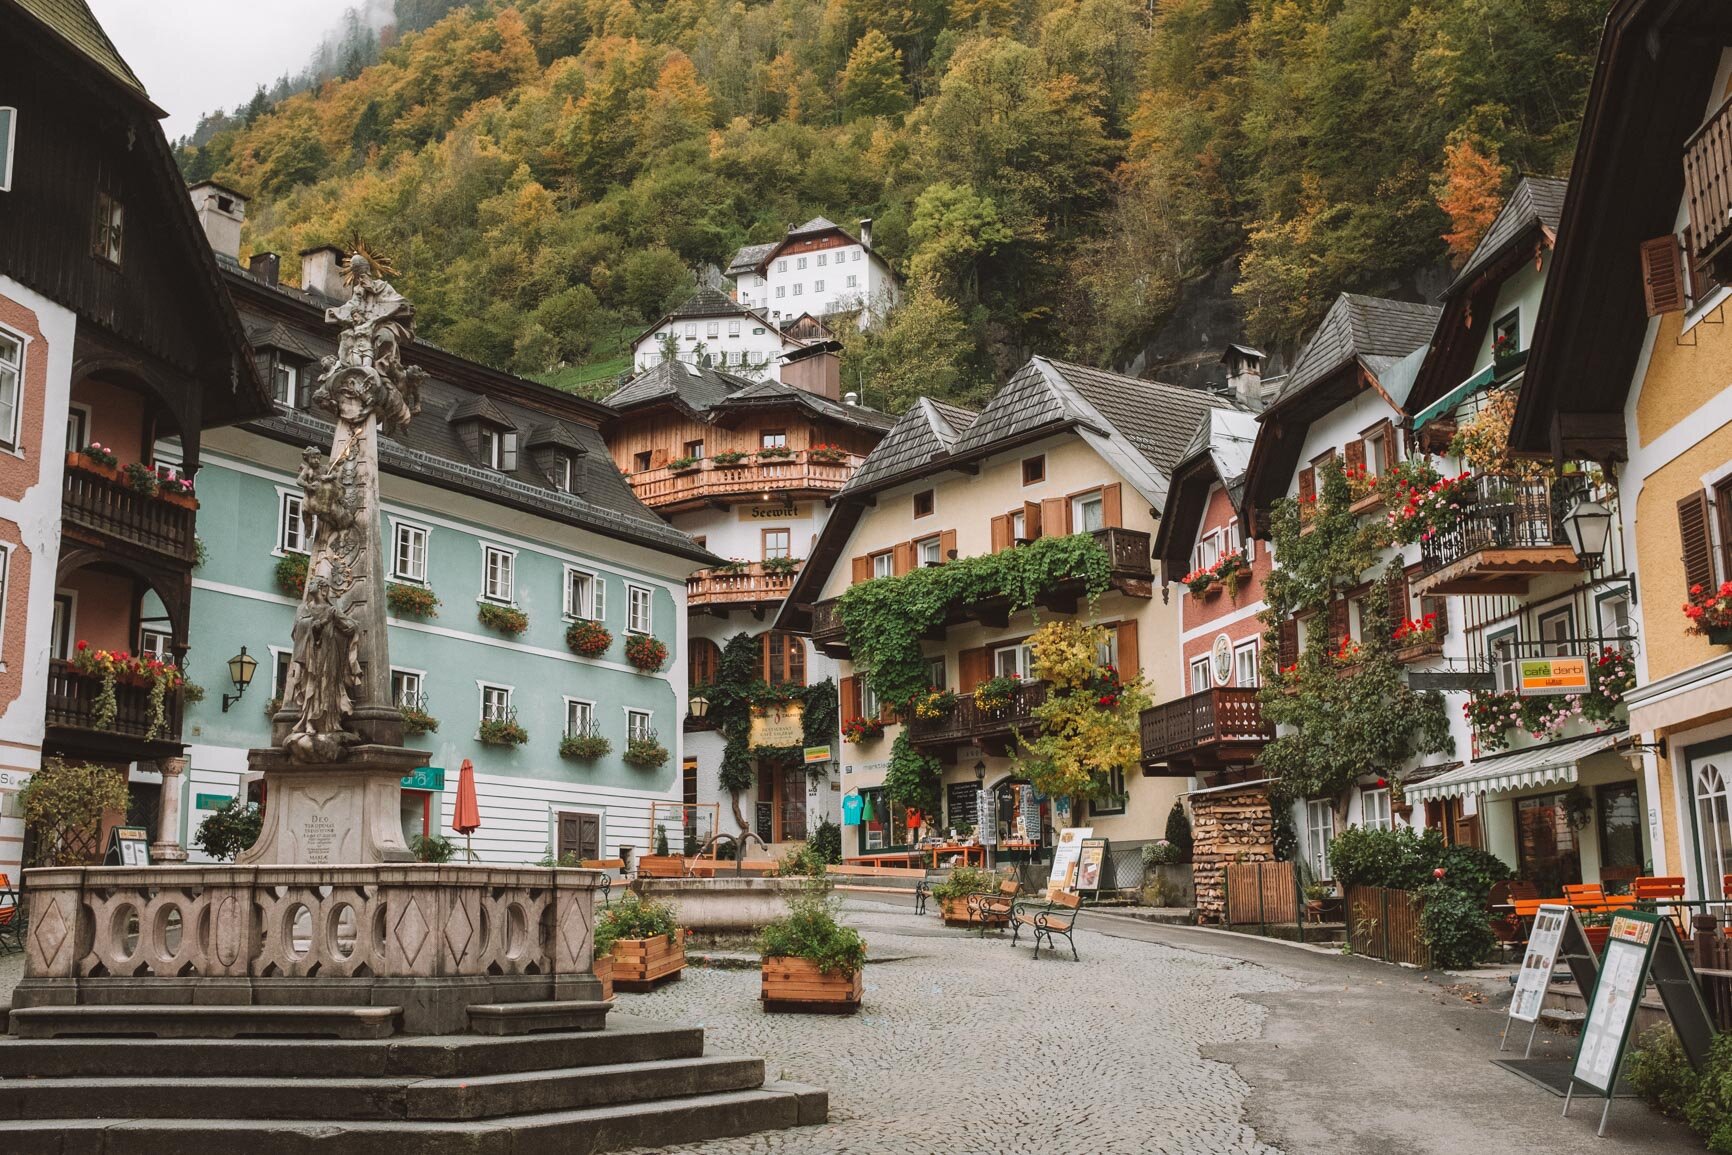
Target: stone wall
{"x":1231,"y":826}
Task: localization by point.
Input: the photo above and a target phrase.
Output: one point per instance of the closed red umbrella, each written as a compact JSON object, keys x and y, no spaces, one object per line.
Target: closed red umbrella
{"x":467,"y":819}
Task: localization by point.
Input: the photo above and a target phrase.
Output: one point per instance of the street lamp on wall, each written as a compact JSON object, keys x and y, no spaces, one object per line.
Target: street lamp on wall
{"x":699,"y":706}
{"x":1589,"y":528}
{"x":241,"y":668}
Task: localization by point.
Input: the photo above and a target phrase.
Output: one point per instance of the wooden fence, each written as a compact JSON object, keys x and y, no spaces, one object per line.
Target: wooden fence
{"x":1384,"y":924}
{"x":1262,"y":892}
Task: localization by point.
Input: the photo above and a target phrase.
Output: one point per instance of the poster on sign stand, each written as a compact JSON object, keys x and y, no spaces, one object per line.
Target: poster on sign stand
{"x":1065,"y":855}
{"x":1557,"y":933}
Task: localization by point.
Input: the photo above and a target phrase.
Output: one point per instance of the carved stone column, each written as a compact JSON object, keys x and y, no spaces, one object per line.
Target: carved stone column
{"x":167,"y":847}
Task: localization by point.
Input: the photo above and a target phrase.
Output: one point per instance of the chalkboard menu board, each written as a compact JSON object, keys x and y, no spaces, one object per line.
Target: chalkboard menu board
{"x":962,"y":803}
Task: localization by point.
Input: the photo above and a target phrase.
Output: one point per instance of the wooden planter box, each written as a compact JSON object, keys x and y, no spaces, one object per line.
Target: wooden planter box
{"x":661,"y":866}
{"x":798,"y":986}
{"x":1366,"y":504}
{"x":603,"y":967}
{"x":956,"y":913}
{"x":641,"y":964}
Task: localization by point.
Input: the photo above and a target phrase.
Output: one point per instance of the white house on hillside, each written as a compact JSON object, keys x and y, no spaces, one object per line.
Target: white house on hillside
{"x":711,"y":330}
{"x":818,"y":268}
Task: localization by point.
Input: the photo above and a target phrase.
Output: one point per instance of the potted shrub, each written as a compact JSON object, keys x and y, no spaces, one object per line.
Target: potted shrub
{"x":935,"y":703}
{"x":410,"y":601}
{"x":501,"y":732}
{"x":140,"y":478}
{"x":291,"y":574}
{"x":811,"y":962}
{"x":681,"y":464}
{"x":774,"y":453}
{"x":434,"y":848}
{"x":645,"y":752}
{"x":781,"y":566}
{"x":645,"y":942}
{"x":995,"y":692}
{"x":646,"y":652}
{"x":587,"y":745}
{"x":953,"y":893}
{"x":588,"y":639}
{"x":505,"y":619}
{"x":1315,"y":894}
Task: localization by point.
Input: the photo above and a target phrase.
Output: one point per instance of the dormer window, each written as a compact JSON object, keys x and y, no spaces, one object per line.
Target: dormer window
{"x":499,"y":449}
{"x":285,"y":382}
{"x":564,"y":473}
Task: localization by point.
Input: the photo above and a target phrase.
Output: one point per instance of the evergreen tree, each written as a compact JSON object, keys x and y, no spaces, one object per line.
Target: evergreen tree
{"x":872,"y":81}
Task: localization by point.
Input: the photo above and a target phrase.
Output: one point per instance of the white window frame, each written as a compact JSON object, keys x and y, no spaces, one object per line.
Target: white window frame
{"x":884,"y":564}
{"x":823,"y":259}
{"x":289,"y":526}
{"x":929,"y":551}
{"x":579,"y":716}
{"x":163,"y":647}
{"x":278,"y":653}
{"x":1079,"y":506}
{"x":1021,"y":660}
{"x":636,"y":595}
{"x":781,"y":291}
{"x":817,"y":286}
{"x":1115,"y":786}
{"x":400,"y":530}
{"x":853,"y":281}
{"x":1608,"y":626}
{"x":417,"y":678}
{"x":77,"y":416}
{"x":491,"y":442}
{"x":632,"y":716}
{"x":799,"y":262}
{"x":8,"y":145}
{"x":1241,"y":652}
{"x":292,"y":376}
{"x":1319,"y":833}
{"x":64,"y":637}
{"x":597,"y":608}
{"x":799,"y":288}
{"x":1374,"y":812}
{"x":489,"y":592}
{"x":870,"y":707}
{"x":482,"y":690}
{"x":712,"y":330}
{"x":1505,"y":669}
{"x":11,"y":408}
{"x":1202,"y":678}
{"x":1548,"y":619}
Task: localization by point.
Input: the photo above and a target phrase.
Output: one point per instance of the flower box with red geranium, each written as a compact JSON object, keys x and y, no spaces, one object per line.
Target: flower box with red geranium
{"x":1710,"y":612}
{"x":1362,"y":489}
{"x":588,"y":639}
{"x":857,"y":730}
{"x":646,"y":652}
{"x":505,"y":619}
{"x":1417,"y":637}
{"x":1226,"y":572}
{"x":411,"y":601}
{"x":827,"y":454}
{"x":1423,"y":503}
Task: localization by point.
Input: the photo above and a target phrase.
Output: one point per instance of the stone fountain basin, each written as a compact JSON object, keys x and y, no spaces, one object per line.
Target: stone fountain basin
{"x":724,"y":905}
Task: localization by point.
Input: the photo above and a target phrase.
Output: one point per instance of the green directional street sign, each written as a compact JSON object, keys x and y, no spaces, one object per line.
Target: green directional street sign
{"x":425,"y":778}
{"x":211,"y":801}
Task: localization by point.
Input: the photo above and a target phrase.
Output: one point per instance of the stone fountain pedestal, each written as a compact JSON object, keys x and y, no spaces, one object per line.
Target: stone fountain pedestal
{"x":338,"y":812}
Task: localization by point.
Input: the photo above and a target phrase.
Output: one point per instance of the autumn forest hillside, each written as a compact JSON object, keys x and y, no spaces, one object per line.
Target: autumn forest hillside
{"x":1049,"y":175}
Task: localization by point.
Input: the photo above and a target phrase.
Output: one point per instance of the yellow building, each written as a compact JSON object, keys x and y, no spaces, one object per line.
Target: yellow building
{"x":1060,"y":450}
{"x":1631,"y":366}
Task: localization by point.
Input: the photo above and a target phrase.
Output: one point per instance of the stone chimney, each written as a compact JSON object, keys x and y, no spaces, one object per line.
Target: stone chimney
{"x":222,"y":212}
{"x":866,"y":232}
{"x":265,"y":267}
{"x":816,"y":369}
{"x":1245,"y":374}
{"x":322,"y":271}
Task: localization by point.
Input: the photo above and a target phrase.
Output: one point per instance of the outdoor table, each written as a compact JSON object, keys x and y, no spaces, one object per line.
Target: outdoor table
{"x":888,"y":858}
{"x":971,"y":854}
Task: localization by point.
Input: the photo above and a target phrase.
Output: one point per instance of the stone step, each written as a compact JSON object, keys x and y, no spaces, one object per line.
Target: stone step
{"x":627,"y":1039}
{"x":657,"y":1123}
{"x":205,"y":1022}
{"x":537,"y":1018}
{"x":153,"y":1096}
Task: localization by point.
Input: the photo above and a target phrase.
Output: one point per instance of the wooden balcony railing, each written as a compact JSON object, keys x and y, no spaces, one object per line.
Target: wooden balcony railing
{"x":1129,"y":550}
{"x":707,"y":481}
{"x":72,"y":706}
{"x":745,"y":586}
{"x":1708,"y":188}
{"x":108,"y":507}
{"x":1224,"y":722}
{"x":828,"y":633}
{"x":967,"y":722}
{"x":1511,"y":528}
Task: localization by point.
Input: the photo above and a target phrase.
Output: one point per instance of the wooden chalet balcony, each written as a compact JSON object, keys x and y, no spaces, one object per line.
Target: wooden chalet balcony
{"x":71,"y":719}
{"x":100,"y":511}
{"x":748,"y":587}
{"x":994,"y":730}
{"x":1708,"y":190}
{"x":1128,"y":551}
{"x":795,"y":476}
{"x":1511,"y":531}
{"x":1207,"y":731}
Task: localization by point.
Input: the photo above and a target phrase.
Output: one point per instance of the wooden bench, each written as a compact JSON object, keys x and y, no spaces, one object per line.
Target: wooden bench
{"x":893,"y":858}
{"x":1054,"y":917}
{"x":903,"y":874}
{"x":994,"y":909}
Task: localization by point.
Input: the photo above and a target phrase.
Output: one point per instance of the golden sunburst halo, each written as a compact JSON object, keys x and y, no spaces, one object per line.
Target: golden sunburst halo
{"x":382,"y":266}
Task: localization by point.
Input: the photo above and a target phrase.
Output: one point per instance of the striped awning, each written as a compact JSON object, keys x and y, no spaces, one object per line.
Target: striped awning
{"x":1517,"y":770}
{"x":1448,"y":402}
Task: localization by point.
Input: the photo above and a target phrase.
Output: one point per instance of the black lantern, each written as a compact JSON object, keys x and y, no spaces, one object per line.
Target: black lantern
{"x":980,"y":771}
{"x":1588,"y":526}
{"x":241,"y":668}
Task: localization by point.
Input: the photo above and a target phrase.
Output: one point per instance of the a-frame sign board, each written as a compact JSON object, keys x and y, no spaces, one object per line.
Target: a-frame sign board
{"x":1640,"y":946}
{"x":1557,"y":936}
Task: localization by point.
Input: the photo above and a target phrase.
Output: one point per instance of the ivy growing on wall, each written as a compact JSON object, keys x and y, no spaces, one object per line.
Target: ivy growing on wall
{"x":886,"y":617}
{"x":912,"y":778}
{"x":1342,"y":711}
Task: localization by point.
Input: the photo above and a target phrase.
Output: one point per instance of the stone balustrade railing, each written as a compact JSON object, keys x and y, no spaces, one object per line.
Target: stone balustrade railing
{"x":432,"y":939}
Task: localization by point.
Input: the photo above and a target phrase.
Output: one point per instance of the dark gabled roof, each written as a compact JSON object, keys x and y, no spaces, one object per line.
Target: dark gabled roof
{"x":274,"y":335}
{"x":73,"y":22}
{"x":767,"y":393}
{"x":1372,"y":330}
{"x":749,"y":257}
{"x":706,"y":303}
{"x":1234,"y":346}
{"x":1536,"y":201}
{"x":928,"y":431}
{"x":556,"y":433}
{"x":815,"y":225}
{"x":1157,"y":418}
{"x":706,"y":392}
{"x":477,"y":406}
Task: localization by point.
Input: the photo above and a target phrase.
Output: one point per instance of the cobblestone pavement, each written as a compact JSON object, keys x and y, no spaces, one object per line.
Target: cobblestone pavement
{"x":973,"y":1046}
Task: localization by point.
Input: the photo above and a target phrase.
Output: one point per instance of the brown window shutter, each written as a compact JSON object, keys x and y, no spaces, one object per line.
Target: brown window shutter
{"x":849,"y":693}
{"x":1391,"y":442}
{"x":1113,"y":506}
{"x":972,"y":668}
{"x":903,"y":558}
{"x":862,"y":569}
{"x":1337,"y":621}
{"x":946,"y":544}
{"x":1697,"y":542}
{"x":1130,"y":662}
{"x":1031,"y":519}
{"x":1398,"y":601}
{"x":1307,"y":483}
{"x":1440,"y":607}
{"x":1001,"y":533}
{"x":1054,"y":517}
{"x":1356,"y":454}
{"x":1289,"y":653}
{"x":1663,"y":275}
{"x":659,"y":458}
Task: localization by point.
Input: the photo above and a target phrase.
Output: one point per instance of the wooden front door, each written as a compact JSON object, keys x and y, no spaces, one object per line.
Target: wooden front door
{"x":793,"y":804}
{"x":579,"y":835}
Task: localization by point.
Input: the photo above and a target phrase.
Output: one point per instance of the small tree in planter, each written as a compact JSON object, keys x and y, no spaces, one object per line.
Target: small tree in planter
{"x":434,"y":848}
{"x":64,"y":805}
{"x":505,"y":619}
{"x":501,"y":732}
{"x":953,"y":893}
{"x":811,"y":962}
{"x":644,"y":940}
{"x":231,"y":829}
{"x":646,"y":652}
{"x":588,"y":639}
{"x":411,"y":601}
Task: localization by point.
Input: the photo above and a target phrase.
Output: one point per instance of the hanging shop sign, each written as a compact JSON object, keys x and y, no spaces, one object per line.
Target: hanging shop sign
{"x":778,"y":725}
{"x":1090,"y":861}
{"x":1553,"y":675}
{"x":1639,"y":946}
{"x":1065,"y":856}
{"x":1451,"y":681}
{"x":817,"y":755}
{"x":1557,"y":933}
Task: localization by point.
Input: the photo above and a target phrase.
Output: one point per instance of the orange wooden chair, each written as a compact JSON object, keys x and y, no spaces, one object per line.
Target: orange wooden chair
{"x":1664,"y":888}
{"x":1587,"y":896}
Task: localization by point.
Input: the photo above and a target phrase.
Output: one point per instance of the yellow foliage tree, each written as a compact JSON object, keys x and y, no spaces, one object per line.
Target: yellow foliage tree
{"x":1088,"y":723}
